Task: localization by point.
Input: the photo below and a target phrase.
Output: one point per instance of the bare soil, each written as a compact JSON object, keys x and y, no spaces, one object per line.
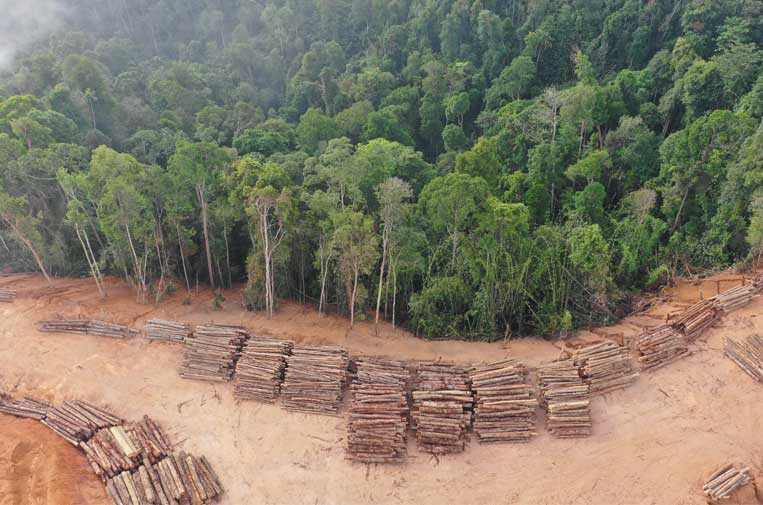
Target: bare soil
{"x":653,"y":443}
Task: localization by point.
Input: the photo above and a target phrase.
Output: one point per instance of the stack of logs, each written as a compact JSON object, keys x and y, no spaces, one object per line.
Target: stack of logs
{"x":442,"y":407}
{"x":697,"y":318}
{"x":757,"y":282}
{"x":168,"y":331}
{"x":378,"y":417}
{"x":7,"y":295}
{"x":77,"y":421}
{"x":259,"y":371}
{"x":725,"y":481}
{"x":504,"y":409}
{"x":134,"y":460}
{"x":27,"y":407}
{"x":211,"y":352}
{"x":314,"y":379}
{"x":734,"y":298}
{"x":659,"y":346}
{"x":606,"y":367}
{"x":748,"y":354}
{"x":111,"y":450}
{"x":178,"y":478}
{"x":118,"y":448}
{"x":86,"y":326}
{"x":566,"y":398}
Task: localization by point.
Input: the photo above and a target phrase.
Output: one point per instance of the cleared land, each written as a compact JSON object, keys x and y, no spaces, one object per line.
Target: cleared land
{"x":653,"y":443}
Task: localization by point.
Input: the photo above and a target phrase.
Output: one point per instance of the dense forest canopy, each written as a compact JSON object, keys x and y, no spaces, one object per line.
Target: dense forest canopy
{"x":468,"y":168}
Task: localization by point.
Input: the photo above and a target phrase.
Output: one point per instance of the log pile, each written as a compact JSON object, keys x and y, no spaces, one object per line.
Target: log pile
{"x":504,"y":409}
{"x":7,"y":295}
{"x":153,"y":444}
{"x":27,"y":407}
{"x":757,"y":282}
{"x":696,"y":319}
{"x":378,"y":418}
{"x":314,"y":379}
{"x":77,"y":421}
{"x":659,"y":346}
{"x":567,"y":400}
{"x":211,"y":352}
{"x":168,"y":331}
{"x":118,"y":448}
{"x":134,"y":460}
{"x":606,"y":367}
{"x":111,"y":450}
{"x":734,"y":298}
{"x":725,"y":481}
{"x":442,"y":407}
{"x":748,"y":355}
{"x":86,"y":326}
{"x":180,"y":478}
{"x":259,"y":371}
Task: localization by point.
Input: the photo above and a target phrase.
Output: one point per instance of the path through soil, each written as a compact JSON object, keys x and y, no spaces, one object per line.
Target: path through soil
{"x":652,"y":443}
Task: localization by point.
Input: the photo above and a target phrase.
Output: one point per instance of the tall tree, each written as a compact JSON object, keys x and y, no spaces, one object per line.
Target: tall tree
{"x":200,"y":166}
{"x":392,"y":195}
{"x":356,"y":249}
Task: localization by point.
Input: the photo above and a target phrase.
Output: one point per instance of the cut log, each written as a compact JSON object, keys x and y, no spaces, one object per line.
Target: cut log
{"x":211,"y":352}
{"x":378,"y":419}
{"x":504,"y":409}
{"x":566,"y":398}
{"x":442,"y":407}
{"x":747,"y":354}
{"x":724,"y":481}
{"x":167,"y":331}
{"x":87,"y":327}
{"x":260,"y":369}
{"x":605,"y":367}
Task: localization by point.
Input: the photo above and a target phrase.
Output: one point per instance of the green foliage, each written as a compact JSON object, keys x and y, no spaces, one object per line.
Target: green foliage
{"x":590,"y":168}
{"x":454,"y":138}
{"x":438,"y":311}
{"x":482,"y":169}
{"x":315,"y":129}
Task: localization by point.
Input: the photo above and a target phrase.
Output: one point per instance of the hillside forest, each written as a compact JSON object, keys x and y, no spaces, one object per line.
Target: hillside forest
{"x":475,"y":169}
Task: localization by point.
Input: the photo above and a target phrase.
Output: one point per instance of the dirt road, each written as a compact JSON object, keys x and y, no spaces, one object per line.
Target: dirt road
{"x":652,"y":443}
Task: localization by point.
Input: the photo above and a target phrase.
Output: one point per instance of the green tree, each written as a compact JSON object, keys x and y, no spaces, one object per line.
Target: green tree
{"x":15,"y":214}
{"x":356,"y":249}
{"x":450,"y":204}
{"x":393,"y":195}
{"x":315,"y":129}
{"x":199,"y":168}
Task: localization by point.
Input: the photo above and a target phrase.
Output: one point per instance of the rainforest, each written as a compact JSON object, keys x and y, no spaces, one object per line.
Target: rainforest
{"x":476,"y":169}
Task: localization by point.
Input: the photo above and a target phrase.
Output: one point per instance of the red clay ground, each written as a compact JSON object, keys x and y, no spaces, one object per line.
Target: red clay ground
{"x":653,"y":443}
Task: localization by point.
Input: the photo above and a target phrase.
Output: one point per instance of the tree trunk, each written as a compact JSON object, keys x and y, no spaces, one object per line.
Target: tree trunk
{"x":160,"y":287}
{"x":601,"y":137}
{"x":182,"y":259}
{"x":681,"y":208}
{"x":36,"y":256}
{"x":266,"y":256}
{"x":352,"y":298}
{"x":394,"y":296}
{"x":137,"y":269}
{"x":227,"y":254}
{"x":95,"y":262}
{"x":204,"y":221}
{"x":92,"y":113}
{"x":90,"y":261}
{"x":381,"y":280}
{"x":324,"y":274}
